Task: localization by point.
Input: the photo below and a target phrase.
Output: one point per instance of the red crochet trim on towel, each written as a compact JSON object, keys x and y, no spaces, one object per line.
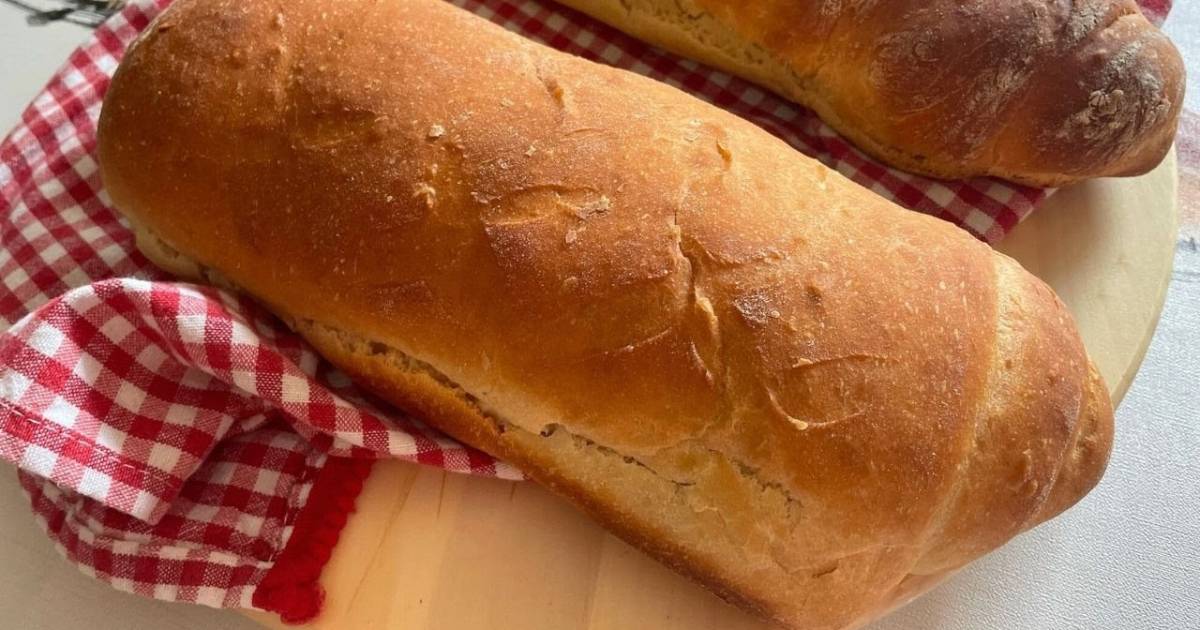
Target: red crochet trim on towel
{"x":292,"y":587}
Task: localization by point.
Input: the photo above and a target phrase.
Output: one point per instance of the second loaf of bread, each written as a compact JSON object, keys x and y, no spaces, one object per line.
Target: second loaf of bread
{"x":1043,"y":93}
{"x":812,"y":401}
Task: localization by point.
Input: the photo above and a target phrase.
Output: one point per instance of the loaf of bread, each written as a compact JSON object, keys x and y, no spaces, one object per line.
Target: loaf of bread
{"x":1043,"y":93}
{"x":810,"y":400}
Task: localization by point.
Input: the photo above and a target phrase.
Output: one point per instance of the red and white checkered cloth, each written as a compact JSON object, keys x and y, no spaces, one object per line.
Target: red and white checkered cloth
{"x":177,"y":441}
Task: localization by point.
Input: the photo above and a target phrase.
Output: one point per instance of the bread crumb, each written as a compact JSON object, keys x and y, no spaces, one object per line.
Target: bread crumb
{"x":555,"y":90}
{"x":754,"y":307}
{"x":530,"y":151}
{"x":482,"y":198}
{"x":726,"y":155}
{"x":425,"y":192}
{"x":436,"y":131}
{"x":592,"y":207}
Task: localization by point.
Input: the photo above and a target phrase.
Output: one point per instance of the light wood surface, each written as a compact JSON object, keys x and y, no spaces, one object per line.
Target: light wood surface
{"x":438,"y":551}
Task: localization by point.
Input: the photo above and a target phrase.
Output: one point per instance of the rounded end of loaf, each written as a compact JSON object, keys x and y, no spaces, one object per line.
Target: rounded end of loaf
{"x":1042,"y":436}
{"x":1084,"y":461}
{"x":1114,"y":109}
{"x":1035,"y":94}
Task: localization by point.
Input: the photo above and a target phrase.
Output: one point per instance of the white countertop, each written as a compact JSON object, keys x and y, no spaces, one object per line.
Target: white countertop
{"x":1158,"y":444}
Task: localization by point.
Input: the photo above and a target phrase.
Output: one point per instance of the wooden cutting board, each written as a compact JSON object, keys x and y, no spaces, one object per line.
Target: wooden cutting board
{"x":437,"y":551}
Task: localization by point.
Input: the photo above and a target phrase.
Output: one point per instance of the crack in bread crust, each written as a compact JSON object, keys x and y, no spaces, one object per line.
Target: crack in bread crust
{"x":451,"y":408}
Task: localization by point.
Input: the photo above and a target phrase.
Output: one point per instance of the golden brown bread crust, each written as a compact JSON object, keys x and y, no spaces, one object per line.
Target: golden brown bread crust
{"x":1043,"y":93}
{"x":768,"y":377}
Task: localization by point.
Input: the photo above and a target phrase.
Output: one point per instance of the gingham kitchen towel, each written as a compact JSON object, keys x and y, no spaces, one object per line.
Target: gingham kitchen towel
{"x":177,"y":441}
